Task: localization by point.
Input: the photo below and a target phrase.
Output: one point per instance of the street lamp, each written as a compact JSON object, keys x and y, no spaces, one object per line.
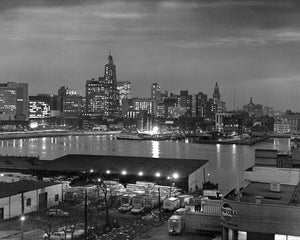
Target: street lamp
{"x":141,"y":173}
{"x":124,"y":172}
{"x":22,"y":218}
{"x":172,"y":179}
{"x":157,"y":175}
{"x":107,"y":171}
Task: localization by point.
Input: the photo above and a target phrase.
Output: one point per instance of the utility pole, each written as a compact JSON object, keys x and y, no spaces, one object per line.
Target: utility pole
{"x":85,"y":213}
{"x":159,"y":207}
{"x":22,"y":216}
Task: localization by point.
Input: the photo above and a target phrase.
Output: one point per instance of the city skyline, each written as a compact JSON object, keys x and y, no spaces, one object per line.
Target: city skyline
{"x":247,"y":47}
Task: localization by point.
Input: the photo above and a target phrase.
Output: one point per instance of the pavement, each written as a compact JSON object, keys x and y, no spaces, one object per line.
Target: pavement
{"x":161,"y":233}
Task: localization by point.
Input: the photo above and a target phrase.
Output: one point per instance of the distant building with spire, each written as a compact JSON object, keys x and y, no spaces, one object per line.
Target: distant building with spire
{"x":102,"y":96}
{"x":254,"y":110}
{"x":216,"y":94}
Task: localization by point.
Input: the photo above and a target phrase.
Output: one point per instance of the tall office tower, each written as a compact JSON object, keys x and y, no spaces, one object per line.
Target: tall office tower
{"x":216,"y":94}
{"x":201,"y":105}
{"x":185,"y":102}
{"x":110,"y":88}
{"x":14,"y":101}
{"x":155,"y":91}
{"x":124,"y":89}
{"x":102,"y":97}
{"x":95,"y":97}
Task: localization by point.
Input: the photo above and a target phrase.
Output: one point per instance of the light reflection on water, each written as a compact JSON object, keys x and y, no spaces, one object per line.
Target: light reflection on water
{"x":224,"y":160}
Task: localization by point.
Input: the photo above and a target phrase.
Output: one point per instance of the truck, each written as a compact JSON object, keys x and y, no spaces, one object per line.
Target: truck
{"x":171,"y":204}
{"x":175,"y":224}
{"x":126,"y":202}
{"x":138,"y":205}
{"x":203,"y":221}
{"x":184,"y":199}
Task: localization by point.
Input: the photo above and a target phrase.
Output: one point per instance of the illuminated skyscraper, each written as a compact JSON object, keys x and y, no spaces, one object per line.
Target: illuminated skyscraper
{"x":102,"y":97}
{"x":155,"y":91}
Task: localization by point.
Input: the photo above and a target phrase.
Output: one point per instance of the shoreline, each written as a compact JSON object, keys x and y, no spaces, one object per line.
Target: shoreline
{"x":53,"y":133}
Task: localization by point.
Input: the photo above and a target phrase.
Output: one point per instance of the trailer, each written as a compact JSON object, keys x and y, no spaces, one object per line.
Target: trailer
{"x":184,"y":199}
{"x":203,"y":222}
{"x":126,"y":202}
{"x":171,"y":204}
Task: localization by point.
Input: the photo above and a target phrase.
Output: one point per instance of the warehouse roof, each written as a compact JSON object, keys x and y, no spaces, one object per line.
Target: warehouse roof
{"x":10,"y":189}
{"x":132,"y":165}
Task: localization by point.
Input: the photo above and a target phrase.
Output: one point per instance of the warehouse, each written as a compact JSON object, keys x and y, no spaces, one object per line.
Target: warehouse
{"x":129,"y":169}
{"x":28,"y":196}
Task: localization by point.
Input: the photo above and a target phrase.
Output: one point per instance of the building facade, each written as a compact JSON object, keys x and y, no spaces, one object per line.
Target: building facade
{"x":32,"y":195}
{"x":124,"y":89}
{"x":14,"y":101}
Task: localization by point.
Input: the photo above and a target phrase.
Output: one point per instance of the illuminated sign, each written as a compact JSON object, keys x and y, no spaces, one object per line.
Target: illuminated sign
{"x":228,"y":212}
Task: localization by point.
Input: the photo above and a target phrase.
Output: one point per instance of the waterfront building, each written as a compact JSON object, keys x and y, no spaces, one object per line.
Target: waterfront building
{"x":264,"y":206}
{"x":145,"y":104}
{"x":233,"y":124}
{"x":254,"y":110}
{"x":14,"y":101}
{"x":219,"y":120}
{"x":155,"y":91}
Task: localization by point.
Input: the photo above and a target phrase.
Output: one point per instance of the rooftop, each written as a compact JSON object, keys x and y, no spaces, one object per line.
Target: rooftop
{"x":257,"y":189}
{"x":132,"y":165}
{"x":10,"y":189}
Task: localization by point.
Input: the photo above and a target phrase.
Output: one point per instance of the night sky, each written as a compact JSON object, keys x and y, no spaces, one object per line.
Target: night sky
{"x":250,"y":47}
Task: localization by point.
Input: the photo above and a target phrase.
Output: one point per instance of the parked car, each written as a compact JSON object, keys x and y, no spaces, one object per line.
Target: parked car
{"x":62,"y":235}
{"x":57,"y":213}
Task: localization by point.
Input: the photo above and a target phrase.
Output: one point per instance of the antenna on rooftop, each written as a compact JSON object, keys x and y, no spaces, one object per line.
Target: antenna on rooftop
{"x":109,"y":47}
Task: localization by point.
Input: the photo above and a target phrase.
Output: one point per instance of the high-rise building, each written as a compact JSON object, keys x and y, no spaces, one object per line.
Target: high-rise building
{"x":185,"y":102}
{"x":13,"y":101}
{"x":110,"y":88}
{"x":95,"y":97}
{"x":102,"y":97}
{"x":124,"y":89}
{"x":155,"y":91}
